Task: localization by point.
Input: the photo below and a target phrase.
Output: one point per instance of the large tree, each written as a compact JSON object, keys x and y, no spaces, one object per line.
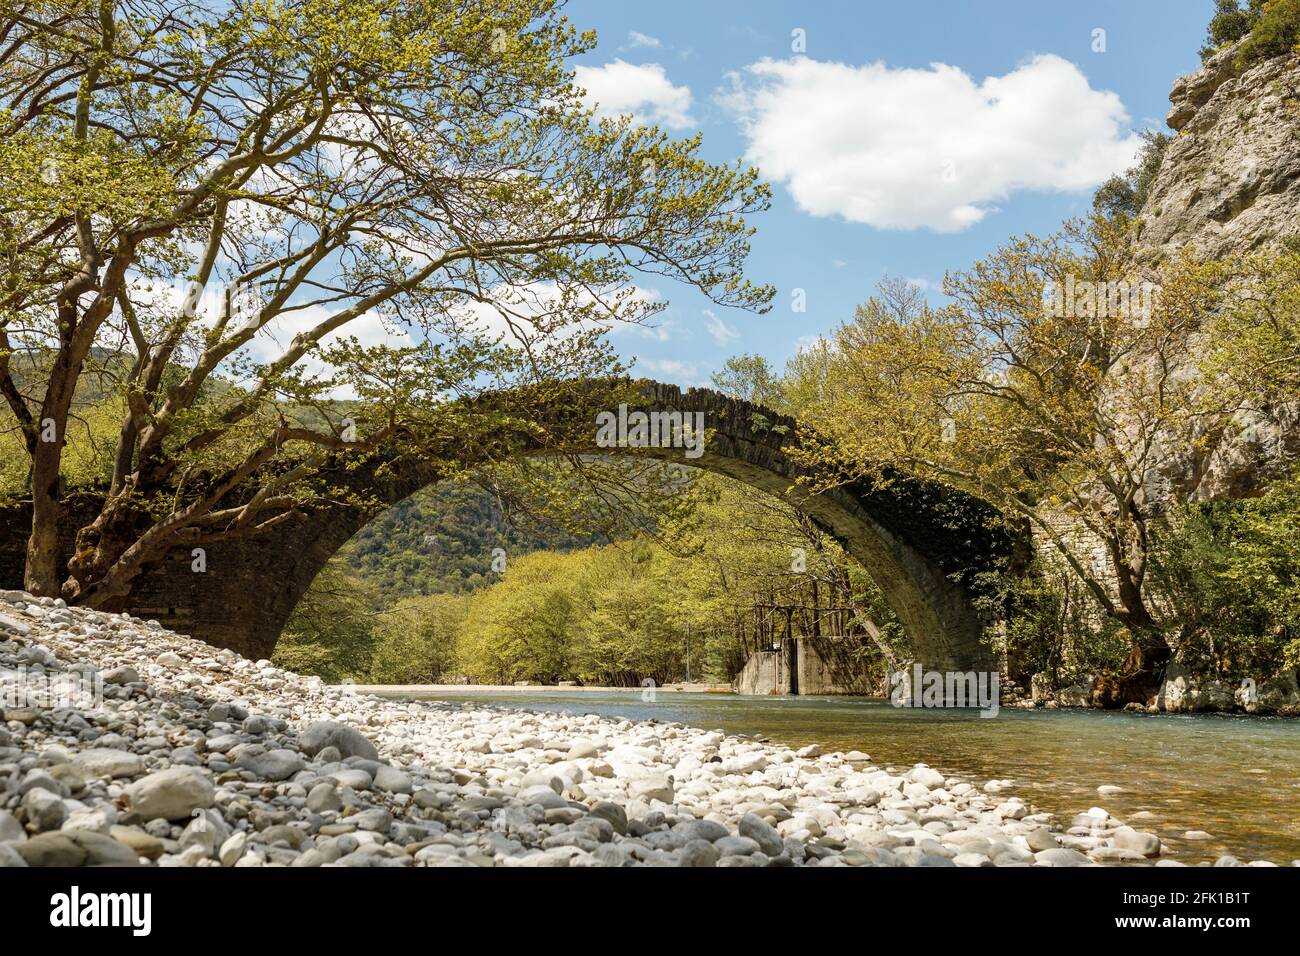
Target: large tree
{"x":201,"y":203}
{"x":1055,"y":385}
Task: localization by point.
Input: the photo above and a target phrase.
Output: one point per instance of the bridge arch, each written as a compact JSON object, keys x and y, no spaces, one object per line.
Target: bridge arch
{"x":926,"y":545}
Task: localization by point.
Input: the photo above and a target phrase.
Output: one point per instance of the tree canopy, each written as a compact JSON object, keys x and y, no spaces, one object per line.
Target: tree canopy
{"x":290,"y":233}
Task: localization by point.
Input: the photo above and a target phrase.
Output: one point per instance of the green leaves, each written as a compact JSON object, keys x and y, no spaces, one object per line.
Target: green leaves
{"x":1230,"y":573}
{"x":412,"y":190}
{"x":1253,"y":343}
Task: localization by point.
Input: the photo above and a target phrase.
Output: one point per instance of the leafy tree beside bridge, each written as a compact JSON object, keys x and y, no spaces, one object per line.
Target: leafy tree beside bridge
{"x":228,"y":214}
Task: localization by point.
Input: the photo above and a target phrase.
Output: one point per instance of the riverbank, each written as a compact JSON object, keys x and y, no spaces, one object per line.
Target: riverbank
{"x":125,"y":743}
{"x":1177,"y":695}
{"x":405,"y":690}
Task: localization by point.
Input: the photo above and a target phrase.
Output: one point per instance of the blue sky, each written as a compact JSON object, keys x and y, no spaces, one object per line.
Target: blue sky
{"x":907,"y":139}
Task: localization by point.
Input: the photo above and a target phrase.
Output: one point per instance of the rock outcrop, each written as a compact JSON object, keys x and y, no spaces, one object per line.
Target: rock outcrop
{"x":1229,"y":182}
{"x":1228,"y":185}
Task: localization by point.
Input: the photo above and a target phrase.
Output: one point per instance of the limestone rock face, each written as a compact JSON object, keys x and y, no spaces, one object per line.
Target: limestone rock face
{"x":1191,"y":91}
{"x":1229,"y":182}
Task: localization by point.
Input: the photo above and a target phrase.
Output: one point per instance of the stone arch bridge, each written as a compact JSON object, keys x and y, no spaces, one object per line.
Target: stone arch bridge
{"x":926,"y":545}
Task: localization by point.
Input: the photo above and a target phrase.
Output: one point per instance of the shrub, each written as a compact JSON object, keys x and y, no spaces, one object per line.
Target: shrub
{"x":1276,"y":32}
{"x":1127,"y":194}
{"x":1230,"y":23}
{"x":1054,"y":627}
{"x":330,"y":633}
{"x":1269,"y":27}
{"x":1228,"y":574}
{"x":415,"y":642}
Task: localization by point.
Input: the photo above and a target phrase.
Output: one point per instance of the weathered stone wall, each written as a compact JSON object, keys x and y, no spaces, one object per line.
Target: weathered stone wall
{"x":762,"y":675}
{"x":808,"y":667}
{"x":834,"y":665}
{"x":243,"y":597}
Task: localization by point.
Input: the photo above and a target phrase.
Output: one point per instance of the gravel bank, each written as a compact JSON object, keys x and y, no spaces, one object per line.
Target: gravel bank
{"x":124,"y":743}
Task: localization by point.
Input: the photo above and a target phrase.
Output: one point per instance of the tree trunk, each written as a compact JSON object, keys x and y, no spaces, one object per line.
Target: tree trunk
{"x":99,"y":545}
{"x":1138,"y":679}
{"x":41,"y":574}
{"x":817,"y":611}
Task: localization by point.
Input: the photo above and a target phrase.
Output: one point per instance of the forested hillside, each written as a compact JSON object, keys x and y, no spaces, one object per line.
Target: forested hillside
{"x":416,"y":598}
{"x":442,"y":541}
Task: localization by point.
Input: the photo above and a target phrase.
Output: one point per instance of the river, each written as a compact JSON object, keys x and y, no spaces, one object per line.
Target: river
{"x":1236,"y":778}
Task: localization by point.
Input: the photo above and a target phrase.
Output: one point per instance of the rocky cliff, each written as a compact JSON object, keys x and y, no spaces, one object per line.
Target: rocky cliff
{"x":1230,"y":179}
{"x":1229,"y":184}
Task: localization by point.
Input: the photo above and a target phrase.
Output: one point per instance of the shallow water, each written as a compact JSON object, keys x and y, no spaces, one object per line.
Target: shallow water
{"x":1237,"y":778}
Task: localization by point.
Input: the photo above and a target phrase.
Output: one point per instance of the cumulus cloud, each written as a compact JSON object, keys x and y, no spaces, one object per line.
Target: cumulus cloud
{"x":643,"y":91}
{"x":636,"y":38}
{"x":721,"y":332}
{"x":926,"y":148}
{"x":674,"y":370}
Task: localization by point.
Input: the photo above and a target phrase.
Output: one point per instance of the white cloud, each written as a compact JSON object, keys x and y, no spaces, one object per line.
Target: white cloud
{"x":644,"y":91}
{"x":657,"y":329}
{"x":540,"y":303}
{"x":636,"y":38}
{"x":722,"y":333}
{"x":674,"y":371}
{"x":370,"y":329}
{"x":926,"y":148}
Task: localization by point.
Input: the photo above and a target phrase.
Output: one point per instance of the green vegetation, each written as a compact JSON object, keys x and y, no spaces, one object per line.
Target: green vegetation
{"x":1045,"y":414}
{"x":417,"y":640}
{"x":1269,"y":28}
{"x":727,"y":574}
{"x":999,"y":394}
{"x":340,"y":632}
{"x":752,"y":378}
{"x":230,"y":192}
{"x":1126,"y":195}
{"x":442,"y":540}
{"x":333,"y":629}
{"x":1231,"y":22}
{"x":1229,"y":573}
{"x":1064,"y":413}
{"x":225,"y":195}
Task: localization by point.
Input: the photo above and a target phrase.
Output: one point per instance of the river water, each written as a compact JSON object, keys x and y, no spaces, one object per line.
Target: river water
{"x":1237,"y":778}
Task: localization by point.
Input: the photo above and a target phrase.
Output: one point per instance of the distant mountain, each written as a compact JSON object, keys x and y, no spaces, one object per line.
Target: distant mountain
{"x":441,"y":541}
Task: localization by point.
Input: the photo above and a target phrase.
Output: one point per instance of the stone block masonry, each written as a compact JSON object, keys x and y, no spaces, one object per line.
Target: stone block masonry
{"x":810,"y":667}
{"x":926,"y":545}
